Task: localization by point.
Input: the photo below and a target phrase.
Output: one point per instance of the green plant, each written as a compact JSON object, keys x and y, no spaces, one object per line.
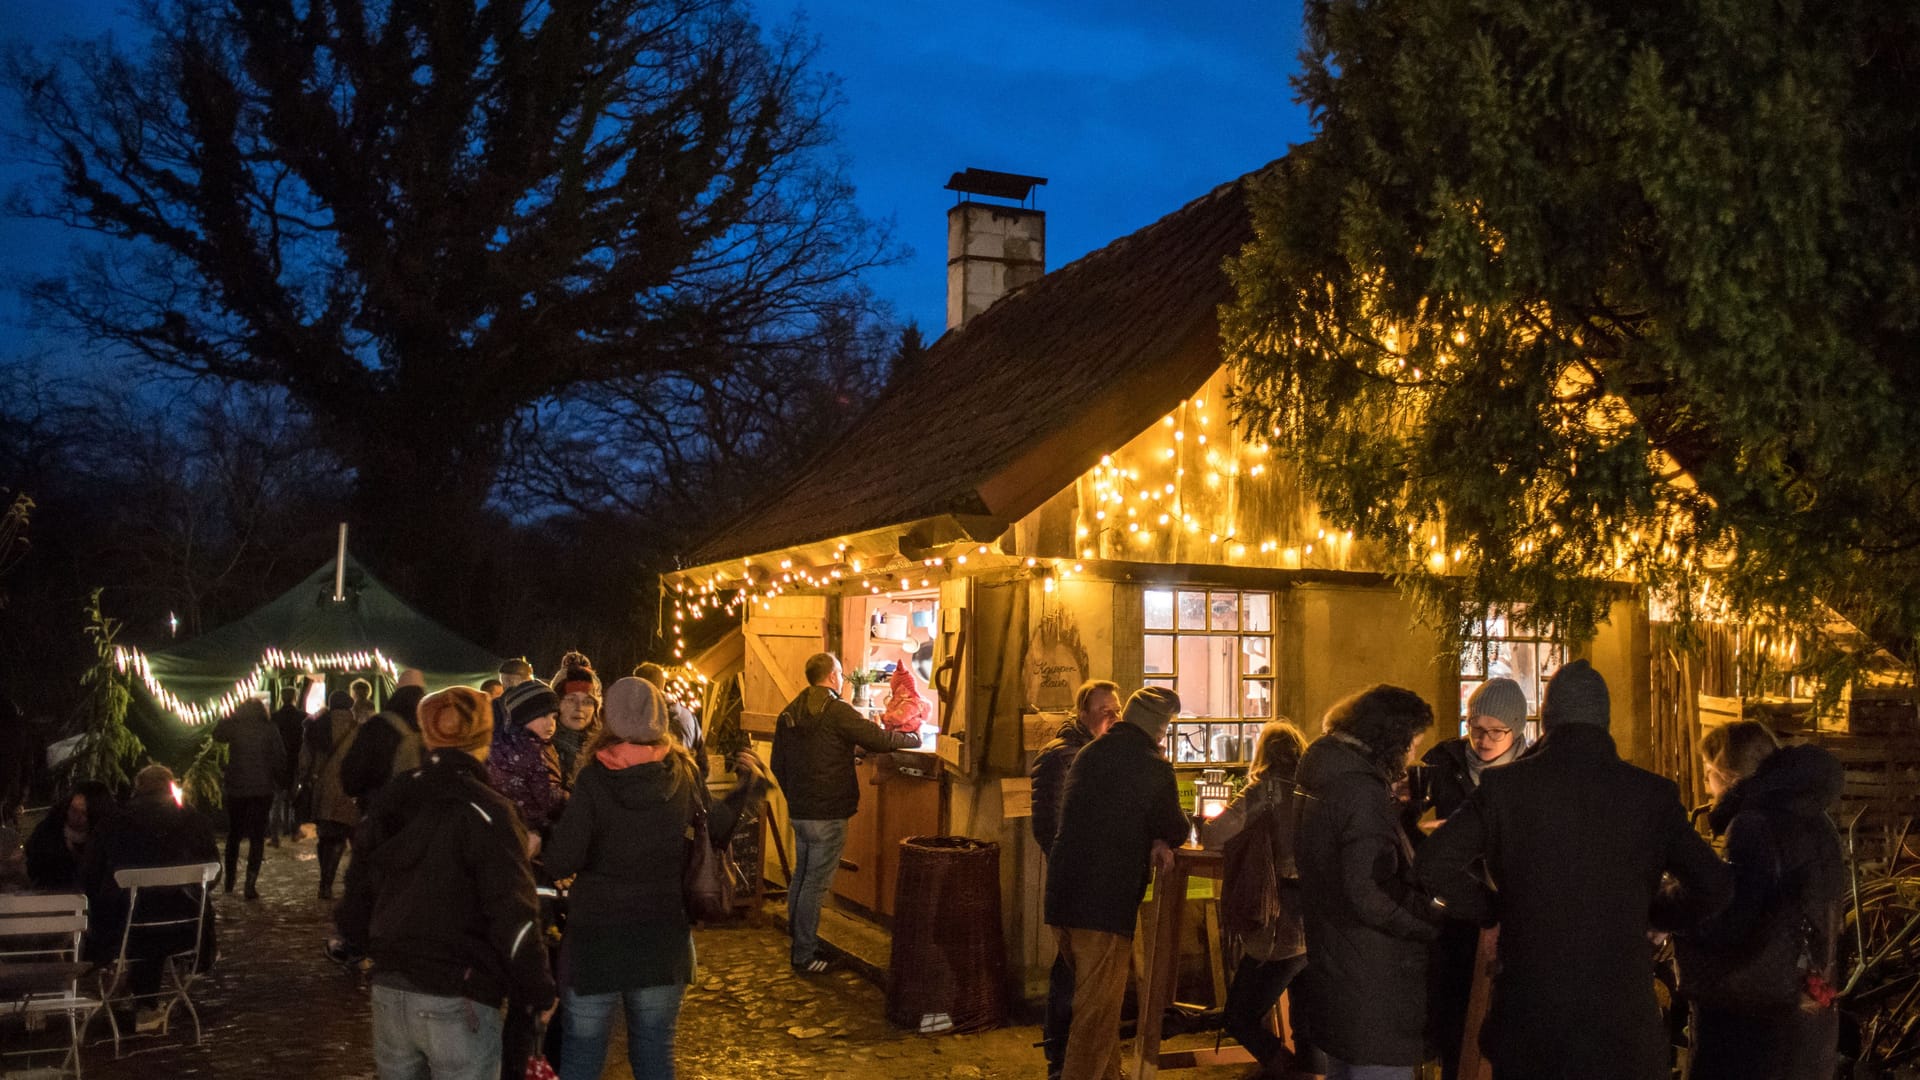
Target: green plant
{"x":109,"y":751}
{"x":202,"y":780}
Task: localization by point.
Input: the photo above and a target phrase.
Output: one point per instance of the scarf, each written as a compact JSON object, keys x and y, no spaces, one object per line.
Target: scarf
{"x":1513,"y":752}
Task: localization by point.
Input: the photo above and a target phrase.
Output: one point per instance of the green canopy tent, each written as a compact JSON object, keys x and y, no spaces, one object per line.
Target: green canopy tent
{"x":368,"y":630}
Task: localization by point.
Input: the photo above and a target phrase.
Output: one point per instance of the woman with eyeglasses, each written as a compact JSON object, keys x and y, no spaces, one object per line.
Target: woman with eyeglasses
{"x":1445,"y":777}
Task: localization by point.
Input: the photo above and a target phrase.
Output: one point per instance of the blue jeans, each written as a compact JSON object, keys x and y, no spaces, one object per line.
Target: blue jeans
{"x":816,"y":858}
{"x":422,"y":1036}
{"x":587,"y":1021}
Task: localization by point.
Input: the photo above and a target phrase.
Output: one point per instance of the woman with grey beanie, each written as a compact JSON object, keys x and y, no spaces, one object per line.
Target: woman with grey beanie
{"x":623,"y":839}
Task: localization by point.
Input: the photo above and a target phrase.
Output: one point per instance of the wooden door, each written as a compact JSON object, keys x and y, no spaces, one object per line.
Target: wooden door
{"x":778,"y":641}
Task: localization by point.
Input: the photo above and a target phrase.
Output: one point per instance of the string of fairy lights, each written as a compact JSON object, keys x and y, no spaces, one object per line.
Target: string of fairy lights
{"x":128,"y":658}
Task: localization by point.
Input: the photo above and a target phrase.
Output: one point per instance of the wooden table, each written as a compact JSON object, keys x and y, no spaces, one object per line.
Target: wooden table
{"x":1160,"y":966}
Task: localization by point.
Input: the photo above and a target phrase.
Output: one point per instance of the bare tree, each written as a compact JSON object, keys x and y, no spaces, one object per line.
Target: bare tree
{"x":422,"y":220}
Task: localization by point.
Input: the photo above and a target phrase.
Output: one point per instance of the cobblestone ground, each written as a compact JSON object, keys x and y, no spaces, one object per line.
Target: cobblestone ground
{"x":276,"y":1007}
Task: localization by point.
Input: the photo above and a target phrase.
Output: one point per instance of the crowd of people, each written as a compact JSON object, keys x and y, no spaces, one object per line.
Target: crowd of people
{"x":1361,"y":883}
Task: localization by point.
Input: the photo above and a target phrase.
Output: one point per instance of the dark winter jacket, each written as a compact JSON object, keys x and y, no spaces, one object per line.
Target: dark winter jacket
{"x":54,"y":866}
{"x":256,"y":757}
{"x":527,"y":772}
{"x":1444,"y":782}
{"x":289,"y":722}
{"x":151,"y":830}
{"x":1576,"y":841}
{"x":439,"y":892}
{"x":370,"y":764}
{"x":1120,"y":797}
{"x":813,"y":744}
{"x":329,"y":740}
{"x":1790,"y":876}
{"x":1367,"y":927}
{"x":1049,"y":777}
{"x":624,"y":833}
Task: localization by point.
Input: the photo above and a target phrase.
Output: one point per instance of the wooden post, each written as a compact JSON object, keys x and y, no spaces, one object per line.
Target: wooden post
{"x":1486,"y":961}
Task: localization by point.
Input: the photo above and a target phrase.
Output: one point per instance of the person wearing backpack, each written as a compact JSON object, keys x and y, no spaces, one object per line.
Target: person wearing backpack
{"x":1760,"y":975}
{"x":1260,"y":899}
{"x":329,"y":739}
{"x":388,"y":744}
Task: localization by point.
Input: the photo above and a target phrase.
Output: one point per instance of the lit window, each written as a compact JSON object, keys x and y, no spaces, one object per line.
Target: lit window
{"x":1509,"y":646}
{"x":1214,"y":648}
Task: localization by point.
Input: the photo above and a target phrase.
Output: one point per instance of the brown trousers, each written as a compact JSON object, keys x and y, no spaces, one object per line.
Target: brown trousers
{"x":1099,"y":961}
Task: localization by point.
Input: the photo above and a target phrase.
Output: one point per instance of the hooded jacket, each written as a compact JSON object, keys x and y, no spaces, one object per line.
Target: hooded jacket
{"x":370,"y":764}
{"x":1788,"y":866}
{"x":623,"y":839}
{"x":1366,"y":926}
{"x":813,"y":744}
{"x":527,"y":771}
{"x":1577,"y":842}
{"x":1049,"y":776}
{"x":439,"y":892}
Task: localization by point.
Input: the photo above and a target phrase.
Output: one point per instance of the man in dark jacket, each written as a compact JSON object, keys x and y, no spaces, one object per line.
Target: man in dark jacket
{"x":1576,"y":842}
{"x":813,"y":747}
{"x":256,"y":759}
{"x":289,"y":721}
{"x":1367,"y":928}
{"x":1096,"y":707}
{"x":153,"y":829}
{"x":440,"y":895}
{"x":1119,"y":818}
{"x":388,"y":744}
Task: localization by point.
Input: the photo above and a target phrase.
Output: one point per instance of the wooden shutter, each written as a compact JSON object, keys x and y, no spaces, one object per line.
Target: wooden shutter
{"x":778,"y":641}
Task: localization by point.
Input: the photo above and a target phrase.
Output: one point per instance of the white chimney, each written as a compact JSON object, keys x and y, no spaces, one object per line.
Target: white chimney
{"x":993,"y":248}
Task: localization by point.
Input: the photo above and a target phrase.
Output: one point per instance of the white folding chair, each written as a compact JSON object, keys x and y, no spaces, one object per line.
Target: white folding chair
{"x":40,"y":966}
{"x":180,"y":968}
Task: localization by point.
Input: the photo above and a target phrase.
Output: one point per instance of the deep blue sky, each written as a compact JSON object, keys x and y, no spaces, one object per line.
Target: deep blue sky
{"x":1130,"y":108}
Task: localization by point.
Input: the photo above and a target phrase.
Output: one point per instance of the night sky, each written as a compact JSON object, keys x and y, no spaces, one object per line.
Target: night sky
{"x":1130,"y":108}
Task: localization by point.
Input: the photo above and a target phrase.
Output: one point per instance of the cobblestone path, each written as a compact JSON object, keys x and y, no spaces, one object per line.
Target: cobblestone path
{"x":276,"y":1007}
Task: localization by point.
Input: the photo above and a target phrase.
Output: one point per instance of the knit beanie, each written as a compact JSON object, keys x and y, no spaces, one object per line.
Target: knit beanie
{"x":635,"y":712}
{"x":1576,"y":695}
{"x":528,"y":702}
{"x":457,"y":718}
{"x":1499,"y":699}
{"x":576,"y":676}
{"x":1151,"y":709}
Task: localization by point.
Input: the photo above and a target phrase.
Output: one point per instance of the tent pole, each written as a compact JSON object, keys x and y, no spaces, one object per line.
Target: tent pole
{"x":340,"y":567}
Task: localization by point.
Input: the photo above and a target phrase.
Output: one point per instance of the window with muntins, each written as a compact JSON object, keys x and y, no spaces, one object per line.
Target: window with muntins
{"x":1214,"y":648}
{"x":1508,"y":645}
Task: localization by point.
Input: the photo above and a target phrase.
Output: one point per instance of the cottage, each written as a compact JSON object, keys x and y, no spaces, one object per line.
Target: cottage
{"x":1059,"y":492}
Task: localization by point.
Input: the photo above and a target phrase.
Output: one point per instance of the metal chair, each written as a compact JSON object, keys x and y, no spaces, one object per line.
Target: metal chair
{"x":40,"y":966}
{"x":180,"y":966}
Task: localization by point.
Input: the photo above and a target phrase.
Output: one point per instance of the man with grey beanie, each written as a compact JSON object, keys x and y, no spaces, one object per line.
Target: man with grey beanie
{"x":1119,"y":816}
{"x":1578,"y":842}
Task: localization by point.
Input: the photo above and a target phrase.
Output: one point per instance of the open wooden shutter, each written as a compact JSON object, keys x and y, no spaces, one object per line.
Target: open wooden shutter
{"x":778,"y":641}
{"x":953,"y":677}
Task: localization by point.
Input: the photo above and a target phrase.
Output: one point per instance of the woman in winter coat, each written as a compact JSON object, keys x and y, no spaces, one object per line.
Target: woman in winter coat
{"x":255,"y":759}
{"x":578,"y":689}
{"x":1276,"y":951}
{"x":58,"y":847}
{"x":623,"y":838}
{"x":522,"y":764}
{"x":1367,"y":927}
{"x":329,"y":737}
{"x":1447,"y":774}
{"x":1760,"y":975}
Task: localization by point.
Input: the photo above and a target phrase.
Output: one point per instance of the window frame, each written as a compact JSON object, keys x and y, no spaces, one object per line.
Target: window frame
{"x":1217,"y":623}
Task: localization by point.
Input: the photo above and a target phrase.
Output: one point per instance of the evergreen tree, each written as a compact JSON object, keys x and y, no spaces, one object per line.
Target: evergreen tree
{"x":1565,"y":294}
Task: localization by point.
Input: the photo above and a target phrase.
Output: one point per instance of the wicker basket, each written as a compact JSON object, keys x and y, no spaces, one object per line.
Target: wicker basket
{"x":948,"y":967}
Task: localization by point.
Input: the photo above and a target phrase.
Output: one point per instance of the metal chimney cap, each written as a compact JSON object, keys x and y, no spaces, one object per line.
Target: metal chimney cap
{"x":999,"y":185}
